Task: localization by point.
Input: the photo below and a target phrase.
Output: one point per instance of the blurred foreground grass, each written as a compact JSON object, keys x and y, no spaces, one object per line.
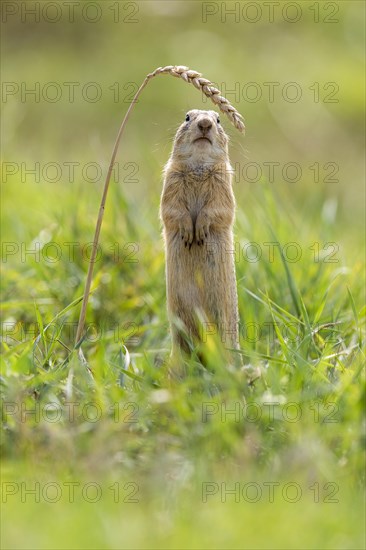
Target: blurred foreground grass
{"x":299,"y":429}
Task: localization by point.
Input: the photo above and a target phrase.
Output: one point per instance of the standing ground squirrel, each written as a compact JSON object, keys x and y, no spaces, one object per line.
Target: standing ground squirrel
{"x":197,"y":210}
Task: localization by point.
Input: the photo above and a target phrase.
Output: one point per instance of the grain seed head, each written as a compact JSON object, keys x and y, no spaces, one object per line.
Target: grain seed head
{"x":206,"y":87}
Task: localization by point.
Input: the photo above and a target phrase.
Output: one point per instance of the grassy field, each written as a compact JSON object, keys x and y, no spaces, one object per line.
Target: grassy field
{"x":123,"y":458}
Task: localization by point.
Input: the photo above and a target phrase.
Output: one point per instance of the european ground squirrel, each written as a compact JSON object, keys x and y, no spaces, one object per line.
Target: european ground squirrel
{"x":197,"y":210}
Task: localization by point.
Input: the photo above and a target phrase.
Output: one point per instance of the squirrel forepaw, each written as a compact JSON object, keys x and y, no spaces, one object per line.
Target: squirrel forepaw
{"x":186,"y":233}
{"x":202,"y":230}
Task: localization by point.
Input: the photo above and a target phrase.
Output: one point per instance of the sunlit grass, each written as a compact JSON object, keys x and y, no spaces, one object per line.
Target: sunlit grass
{"x":300,"y":421}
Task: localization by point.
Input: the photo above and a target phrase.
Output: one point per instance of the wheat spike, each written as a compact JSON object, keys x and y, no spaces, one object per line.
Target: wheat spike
{"x":202,"y":84}
{"x":206,"y":87}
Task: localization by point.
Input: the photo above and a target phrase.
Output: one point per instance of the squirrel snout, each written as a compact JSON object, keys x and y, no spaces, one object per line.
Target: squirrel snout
{"x":204,"y":124}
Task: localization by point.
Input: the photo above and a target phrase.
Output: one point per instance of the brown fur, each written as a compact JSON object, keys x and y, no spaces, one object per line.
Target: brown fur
{"x":197,"y":210}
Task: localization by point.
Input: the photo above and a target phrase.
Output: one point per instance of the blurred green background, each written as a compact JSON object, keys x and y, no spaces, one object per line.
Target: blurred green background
{"x":323,"y":59}
{"x":295,"y":71}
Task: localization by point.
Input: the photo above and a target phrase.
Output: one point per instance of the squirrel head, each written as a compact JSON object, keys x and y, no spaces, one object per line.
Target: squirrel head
{"x":200,"y":139}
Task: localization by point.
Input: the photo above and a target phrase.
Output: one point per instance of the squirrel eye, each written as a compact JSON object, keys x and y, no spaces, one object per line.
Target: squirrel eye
{"x":218,"y":120}
{"x":187,"y":118}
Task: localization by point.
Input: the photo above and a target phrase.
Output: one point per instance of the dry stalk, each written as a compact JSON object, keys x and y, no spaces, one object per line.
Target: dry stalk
{"x":208,"y":89}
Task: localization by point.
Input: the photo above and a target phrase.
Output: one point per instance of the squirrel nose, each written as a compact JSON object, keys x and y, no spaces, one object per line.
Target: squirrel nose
{"x":204,"y":124}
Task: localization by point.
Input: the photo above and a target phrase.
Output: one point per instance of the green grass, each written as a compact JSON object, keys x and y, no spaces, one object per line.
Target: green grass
{"x":179,"y":449}
{"x":301,"y":422}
